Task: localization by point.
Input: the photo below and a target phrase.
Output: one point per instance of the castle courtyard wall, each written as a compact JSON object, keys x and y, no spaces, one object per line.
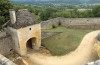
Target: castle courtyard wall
{"x":78,"y":23}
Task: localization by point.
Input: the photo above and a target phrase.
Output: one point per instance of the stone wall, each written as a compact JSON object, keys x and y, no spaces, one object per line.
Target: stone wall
{"x":6,"y":43}
{"x":82,"y":23}
{"x":5,"y":61}
{"x":49,"y":23}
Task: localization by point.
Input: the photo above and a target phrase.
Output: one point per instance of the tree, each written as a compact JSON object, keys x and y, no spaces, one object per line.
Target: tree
{"x":96,"y":11}
{"x":47,"y":13}
{"x":5,"y":5}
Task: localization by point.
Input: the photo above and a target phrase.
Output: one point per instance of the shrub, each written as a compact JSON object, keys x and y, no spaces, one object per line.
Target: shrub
{"x":53,"y":26}
{"x":59,"y":23}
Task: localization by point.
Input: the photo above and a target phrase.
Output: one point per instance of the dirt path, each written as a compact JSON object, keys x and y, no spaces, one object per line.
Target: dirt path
{"x":83,"y":54}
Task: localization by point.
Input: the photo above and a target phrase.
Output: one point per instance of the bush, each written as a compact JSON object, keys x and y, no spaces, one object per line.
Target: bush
{"x":96,"y":11}
{"x":53,"y":26}
{"x":2,"y":21}
{"x":59,"y":23}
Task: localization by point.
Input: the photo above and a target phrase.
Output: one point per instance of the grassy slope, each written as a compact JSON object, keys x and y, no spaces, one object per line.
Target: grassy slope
{"x":65,"y":42}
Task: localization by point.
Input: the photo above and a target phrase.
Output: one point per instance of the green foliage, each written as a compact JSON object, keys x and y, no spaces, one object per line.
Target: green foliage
{"x":87,"y":13}
{"x":53,"y":26}
{"x":47,"y":13}
{"x":59,"y":23}
{"x":2,"y":20}
{"x":37,"y":11}
{"x":73,"y":13}
{"x":5,"y":5}
{"x":21,"y":6}
{"x":96,"y":11}
{"x":63,"y":13}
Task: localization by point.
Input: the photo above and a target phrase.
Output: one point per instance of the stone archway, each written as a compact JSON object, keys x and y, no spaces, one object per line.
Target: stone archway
{"x":31,"y":43}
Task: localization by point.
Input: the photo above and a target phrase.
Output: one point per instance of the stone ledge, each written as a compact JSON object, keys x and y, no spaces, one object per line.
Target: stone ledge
{"x":5,"y":61}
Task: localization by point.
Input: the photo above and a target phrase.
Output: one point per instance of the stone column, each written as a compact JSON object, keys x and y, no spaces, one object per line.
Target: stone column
{"x":12,"y":16}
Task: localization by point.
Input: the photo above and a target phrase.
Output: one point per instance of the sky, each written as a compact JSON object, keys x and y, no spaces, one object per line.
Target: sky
{"x":74,"y":1}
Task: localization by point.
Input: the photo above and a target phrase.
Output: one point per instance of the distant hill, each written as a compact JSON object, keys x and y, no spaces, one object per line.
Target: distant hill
{"x":60,"y":1}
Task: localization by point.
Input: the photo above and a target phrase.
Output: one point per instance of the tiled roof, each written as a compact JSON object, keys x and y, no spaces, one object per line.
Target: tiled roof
{"x":24,"y":18}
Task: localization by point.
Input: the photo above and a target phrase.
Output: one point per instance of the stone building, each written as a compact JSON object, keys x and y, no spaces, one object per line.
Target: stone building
{"x":25,"y":33}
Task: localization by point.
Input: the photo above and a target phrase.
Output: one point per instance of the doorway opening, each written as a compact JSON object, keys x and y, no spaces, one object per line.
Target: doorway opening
{"x":31,"y":43}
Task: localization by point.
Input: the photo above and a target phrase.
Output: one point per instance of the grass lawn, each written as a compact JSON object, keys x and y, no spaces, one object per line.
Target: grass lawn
{"x":64,"y":42}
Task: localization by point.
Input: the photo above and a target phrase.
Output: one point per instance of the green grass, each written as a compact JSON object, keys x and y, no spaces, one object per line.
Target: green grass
{"x":64,"y":42}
